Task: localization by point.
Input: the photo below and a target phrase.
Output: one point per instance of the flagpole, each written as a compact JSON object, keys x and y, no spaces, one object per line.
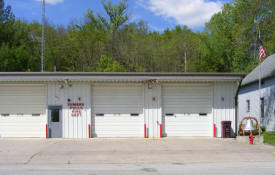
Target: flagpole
{"x":260,"y":87}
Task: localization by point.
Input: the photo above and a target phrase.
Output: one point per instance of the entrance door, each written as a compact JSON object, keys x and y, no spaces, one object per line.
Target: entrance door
{"x":55,"y":121}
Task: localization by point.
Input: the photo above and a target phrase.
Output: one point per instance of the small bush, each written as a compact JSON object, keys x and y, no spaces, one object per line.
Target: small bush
{"x":263,"y":128}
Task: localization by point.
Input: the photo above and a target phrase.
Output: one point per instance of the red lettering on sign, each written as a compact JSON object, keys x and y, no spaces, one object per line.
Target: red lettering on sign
{"x":76,"y":109}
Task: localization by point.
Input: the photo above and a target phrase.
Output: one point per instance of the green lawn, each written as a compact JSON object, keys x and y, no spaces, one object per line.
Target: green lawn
{"x":269,"y":137}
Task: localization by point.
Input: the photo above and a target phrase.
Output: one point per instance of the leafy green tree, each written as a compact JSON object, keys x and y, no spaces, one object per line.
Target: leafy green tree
{"x":116,"y":13}
{"x":229,"y":42}
{"x":7,"y":20}
{"x":15,"y":45}
{"x":233,"y":34}
{"x":117,"y":17}
{"x":108,"y":64}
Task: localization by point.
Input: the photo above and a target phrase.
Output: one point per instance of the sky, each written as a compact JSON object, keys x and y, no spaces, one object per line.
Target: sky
{"x":159,"y":14}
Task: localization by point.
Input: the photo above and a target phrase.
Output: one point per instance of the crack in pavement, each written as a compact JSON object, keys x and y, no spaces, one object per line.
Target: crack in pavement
{"x":29,"y":160}
{"x":35,"y":154}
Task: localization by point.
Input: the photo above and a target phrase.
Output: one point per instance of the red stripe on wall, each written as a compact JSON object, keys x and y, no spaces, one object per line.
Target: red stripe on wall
{"x":160,"y":132}
{"x":145,"y":135}
{"x":89,"y":131}
{"x":214,"y":130}
{"x":47,"y":131}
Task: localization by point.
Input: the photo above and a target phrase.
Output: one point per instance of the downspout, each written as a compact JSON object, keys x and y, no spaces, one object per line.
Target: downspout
{"x":237,"y":107}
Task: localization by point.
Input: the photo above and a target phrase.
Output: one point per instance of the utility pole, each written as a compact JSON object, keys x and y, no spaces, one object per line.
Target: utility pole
{"x":43,"y":36}
{"x":185,"y":61}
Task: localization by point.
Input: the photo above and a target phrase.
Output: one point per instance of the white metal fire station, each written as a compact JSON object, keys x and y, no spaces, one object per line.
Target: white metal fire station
{"x":87,"y":105}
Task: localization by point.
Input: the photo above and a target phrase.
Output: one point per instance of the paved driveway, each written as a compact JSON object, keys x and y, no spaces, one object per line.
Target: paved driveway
{"x":131,"y":151}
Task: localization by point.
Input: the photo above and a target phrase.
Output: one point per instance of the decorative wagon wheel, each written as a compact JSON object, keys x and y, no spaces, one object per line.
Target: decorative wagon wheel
{"x":241,"y":131}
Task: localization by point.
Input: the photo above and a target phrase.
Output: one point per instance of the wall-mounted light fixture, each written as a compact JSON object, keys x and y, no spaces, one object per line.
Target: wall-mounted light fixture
{"x":67,"y":82}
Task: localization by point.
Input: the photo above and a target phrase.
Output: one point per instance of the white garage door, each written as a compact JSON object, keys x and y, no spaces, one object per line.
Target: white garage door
{"x":22,"y":110}
{"x":117,"y":110}
{"x":187,"y":109}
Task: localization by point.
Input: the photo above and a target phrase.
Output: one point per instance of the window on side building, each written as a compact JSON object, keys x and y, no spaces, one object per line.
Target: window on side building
{"x":247,"y":105}
{"x":262,"y":107}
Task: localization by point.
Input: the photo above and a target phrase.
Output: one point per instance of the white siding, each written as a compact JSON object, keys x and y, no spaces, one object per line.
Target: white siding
{"x":269,"y":104}
{"x":117,"y":102}
{"x":187,"y":98}
{"x":188,"y":125}
{"x":73,"y":127}
{"x":224,"y":104}
{"x":183,"y":103}
{"x":19,"y":98}
{"x":251,"y":92}
{"x":153,"y":109}
{"x":20,"y":101}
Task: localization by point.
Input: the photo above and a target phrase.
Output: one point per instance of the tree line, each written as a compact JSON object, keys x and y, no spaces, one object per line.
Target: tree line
{"x":228,"y":43}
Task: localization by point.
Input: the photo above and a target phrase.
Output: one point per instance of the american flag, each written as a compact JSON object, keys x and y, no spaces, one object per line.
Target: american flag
{"x":262,"y":52}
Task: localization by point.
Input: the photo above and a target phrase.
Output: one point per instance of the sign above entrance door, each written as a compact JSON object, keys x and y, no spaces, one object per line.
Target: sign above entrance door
{"x":76,"y":108}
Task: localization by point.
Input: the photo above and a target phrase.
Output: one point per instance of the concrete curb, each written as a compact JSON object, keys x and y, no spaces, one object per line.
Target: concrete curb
{"x":258,"y":140}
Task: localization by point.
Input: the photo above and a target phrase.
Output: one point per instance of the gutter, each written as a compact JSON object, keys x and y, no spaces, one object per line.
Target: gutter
{"x":237,"y":108}
{"x":119,"y":74}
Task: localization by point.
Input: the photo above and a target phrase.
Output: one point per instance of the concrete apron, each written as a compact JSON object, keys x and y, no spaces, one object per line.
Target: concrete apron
{"x":258,"y":140}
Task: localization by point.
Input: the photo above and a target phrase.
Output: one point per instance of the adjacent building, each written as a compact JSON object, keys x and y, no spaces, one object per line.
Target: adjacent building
{"x":259,"y":104}
{"x":87,"y":105}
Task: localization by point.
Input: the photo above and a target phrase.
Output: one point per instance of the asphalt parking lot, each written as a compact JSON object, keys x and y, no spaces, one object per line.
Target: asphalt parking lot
{"x":131,"y":151}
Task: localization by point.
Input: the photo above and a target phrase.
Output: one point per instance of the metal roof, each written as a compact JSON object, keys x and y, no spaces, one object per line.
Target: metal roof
{"x":117,"y":76}
{"x":268,"y":70}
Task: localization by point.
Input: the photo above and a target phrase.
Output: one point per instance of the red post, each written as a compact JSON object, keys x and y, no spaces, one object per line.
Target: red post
{"x":89,"y":131}
{"x":145,"y":135}
{"x":47,"y":131}
{"x":160,"y":128}
{"x":214,"y":130}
